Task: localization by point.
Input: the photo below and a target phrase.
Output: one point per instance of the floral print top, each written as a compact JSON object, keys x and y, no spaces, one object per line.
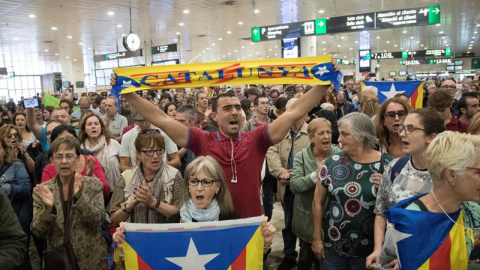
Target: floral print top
{"x":348,"y":219}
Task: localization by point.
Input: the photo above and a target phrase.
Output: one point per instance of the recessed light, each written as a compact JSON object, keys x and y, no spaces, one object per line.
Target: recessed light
{"x":56,"y":54}
{"x":243,"y":47}
{"x":256,"y":11}
{"x":324,"y":53}
{"x":324,"y":49}
{"x":473,"y":37}
{"x":384,"y":50}
{"x":339,"y":45}
{"x":234,"y":50}
{"x":240,"y":23}
{"x":321,"y":11}
{"x":351,"y":48}
{"x":404,"y":31}
{"x":181,"y":24}
{"x":203,"y":51}
{"x":186,"y":11}
{"x":54,"y":28}
{"x":119,"y":25}
{"x":411,"y":37}
{"x":258,"y":53}
{"x":418,"y":41}
{"x":31,"y":16}
{"x":421,"y":45}
{"x":446,"y":45}
{"x":441,"y":32}
{"x":15,"y":38}
{"x":395,"y":45}
{"x":80,"y":43}
{"x":475,"y":32}
{"x":123,"y":35}
{"x":356,"y":41}
{"x":335,"y":55}
{"x":110,"y":13}
{"x":388,"y":41}
{"x":74,"y":60}
{"x":229,"y":32}
{"x":69,"y":36}
{"x":249,"y":55}
{"x":323,"y":42}
{"x":45,"y":50}
{"x":276,"y":47}
{"x":478,"y":25}
{"x":89,"y":48}
{"x":444,"y":37}
{"x":469,"y":48}
{"x":276,"y":54}
{"x":342,"y":37}
{"x":229,"y":53}
{"x":67,"y":57}
{"x":468,"y":52}
{"x":437,"y":24}
{"x":270,"y":50}
{"x":175,"y":40}
{"x":213,"y":44}
{"x":220,"y":38}
{"x":378,"y":37}
{"x":251,"y":43}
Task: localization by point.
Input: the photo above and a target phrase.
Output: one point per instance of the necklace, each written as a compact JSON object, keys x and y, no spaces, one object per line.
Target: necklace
{"x":445,"y":212}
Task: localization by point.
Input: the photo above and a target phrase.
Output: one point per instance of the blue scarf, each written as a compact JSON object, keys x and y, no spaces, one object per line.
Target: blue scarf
{"x":190,"y":212}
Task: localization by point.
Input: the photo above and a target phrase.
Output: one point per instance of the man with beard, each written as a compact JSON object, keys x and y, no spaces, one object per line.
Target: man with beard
{"x":468,"y":106}
{"x":344,"y":107}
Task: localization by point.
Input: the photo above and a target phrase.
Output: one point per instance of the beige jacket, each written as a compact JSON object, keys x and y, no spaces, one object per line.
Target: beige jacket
{"x":277,"y":155}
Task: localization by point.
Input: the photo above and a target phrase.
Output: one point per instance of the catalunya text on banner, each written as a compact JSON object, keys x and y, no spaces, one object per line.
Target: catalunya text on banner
{"x":232,"y":244}
{"x":304,"y":70}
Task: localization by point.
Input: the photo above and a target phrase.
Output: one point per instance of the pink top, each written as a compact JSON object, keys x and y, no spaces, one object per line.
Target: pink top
{"x":50,"y":172}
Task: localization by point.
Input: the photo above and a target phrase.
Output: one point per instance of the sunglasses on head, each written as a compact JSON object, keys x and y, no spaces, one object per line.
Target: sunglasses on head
{"x":146,"y":131}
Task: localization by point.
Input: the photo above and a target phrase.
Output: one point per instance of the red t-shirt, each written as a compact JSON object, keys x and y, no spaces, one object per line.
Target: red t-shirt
{"x":50,"y":172}
{"x":128,"y":128}
{"x":249,"y":150}
{"x":457,"y":125}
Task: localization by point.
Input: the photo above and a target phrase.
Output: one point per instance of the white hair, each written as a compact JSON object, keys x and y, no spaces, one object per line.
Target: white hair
{"x":327,"y":105}
{"x":370,"y":88}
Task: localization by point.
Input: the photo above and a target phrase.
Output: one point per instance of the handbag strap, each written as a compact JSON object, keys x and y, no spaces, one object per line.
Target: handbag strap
{"x":68,"y":217}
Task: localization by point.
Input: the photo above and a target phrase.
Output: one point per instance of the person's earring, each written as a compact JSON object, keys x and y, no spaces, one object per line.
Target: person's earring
{"x":453,"y":184}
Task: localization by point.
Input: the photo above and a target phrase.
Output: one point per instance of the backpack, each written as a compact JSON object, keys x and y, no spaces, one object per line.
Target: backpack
{"x":397,"y":168}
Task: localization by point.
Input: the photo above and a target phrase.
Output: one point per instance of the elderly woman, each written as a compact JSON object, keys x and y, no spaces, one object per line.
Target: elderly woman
{"x":14,"y":180}
{"x":302,"y":184}
{"x":74,"y":200}
{"x":87,"y":165}
{"x":206,"y":198}
{"x":345,"y":197}
{"x":95,"y":137}
{"x":389,"y":117}
{"x":151,"y":191}
{"x":445,"y":221}
{"x":407,"y":176}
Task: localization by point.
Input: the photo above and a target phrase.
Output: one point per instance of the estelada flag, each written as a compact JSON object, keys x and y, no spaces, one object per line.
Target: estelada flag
{"x":427,"y":240}
{"x":303,"y":70}
{"x":413,"y":89}
{"x":221,"y":245}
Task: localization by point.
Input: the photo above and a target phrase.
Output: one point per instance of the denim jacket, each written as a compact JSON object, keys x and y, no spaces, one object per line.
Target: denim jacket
{"x":16,"y":183}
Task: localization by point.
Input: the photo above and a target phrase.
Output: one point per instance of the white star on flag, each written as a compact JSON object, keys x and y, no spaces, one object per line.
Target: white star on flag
{"x":392,"y":92}
{"x":128,"y":82}
{"x":193,"y":260}
{"x":322,"y":70}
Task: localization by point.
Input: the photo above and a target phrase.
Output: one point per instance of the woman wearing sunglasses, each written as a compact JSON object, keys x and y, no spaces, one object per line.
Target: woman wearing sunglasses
{"x":407,"y":176}
{"x":390,"y":116}
{"x":13,"y":141}
{"x":206,"y":197}
{"x":151,"y":191}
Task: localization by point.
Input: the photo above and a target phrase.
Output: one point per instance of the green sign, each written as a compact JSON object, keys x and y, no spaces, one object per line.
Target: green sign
{"x":434,"y":14}
{"x":404,"y":54}
{"x":79,"y":84}
{"x":432,"y":62}
{"x":448,"y":52}
{"x":475,"y":63}
{"x":256,"y":34}
{"x":320,"y":26}
{"x":368,"y":56}
{"x":402,"y":63}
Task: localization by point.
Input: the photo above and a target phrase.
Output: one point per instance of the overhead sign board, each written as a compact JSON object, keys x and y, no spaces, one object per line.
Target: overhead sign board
{"x":356,"y":22}
{"x":424,"y":61}
{"x":407,"y":17}
{"x":117,"y":55}
{"x":286,"y":30}
{"x":412,"y":54}
{"x":164,"y":48}
{"x":365,"y":61}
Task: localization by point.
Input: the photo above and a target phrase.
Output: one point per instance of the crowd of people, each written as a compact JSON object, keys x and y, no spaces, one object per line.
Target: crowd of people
{"x":343,"y":166}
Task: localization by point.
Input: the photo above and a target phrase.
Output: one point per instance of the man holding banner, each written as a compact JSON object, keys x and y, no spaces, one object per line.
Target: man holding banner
{"x":240,"y":154}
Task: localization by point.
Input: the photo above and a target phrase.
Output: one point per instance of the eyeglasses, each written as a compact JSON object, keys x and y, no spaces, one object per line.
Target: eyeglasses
{"x":16,"y":135}
{"x":205,"y":182}
{"x":69,"y":158}
{"x":393,"y":114}
{"x":449,"y":87}
{"x":150,"y":153}
{"x":408,"y":129}
{"x":146,"y":131}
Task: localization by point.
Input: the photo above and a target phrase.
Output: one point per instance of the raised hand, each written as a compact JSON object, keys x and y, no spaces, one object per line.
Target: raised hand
{"x":45,"y":195}
{"x":78,"y":185}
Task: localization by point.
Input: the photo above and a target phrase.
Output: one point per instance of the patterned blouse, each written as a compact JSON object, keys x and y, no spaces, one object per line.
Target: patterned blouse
{"x":408,"y":183}
{"x":348,"y":219}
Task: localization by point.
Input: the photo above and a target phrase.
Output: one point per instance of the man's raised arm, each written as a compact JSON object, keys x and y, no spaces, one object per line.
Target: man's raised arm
{"x":176,"y":131}
{"x":33,"y":124}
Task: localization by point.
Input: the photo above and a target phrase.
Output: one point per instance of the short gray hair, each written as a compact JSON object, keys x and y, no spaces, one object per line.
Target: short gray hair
{"x":189,"y":111}
{"x":370,"y":88}
{"x":198,"y":93}
{"x":361,"y":127}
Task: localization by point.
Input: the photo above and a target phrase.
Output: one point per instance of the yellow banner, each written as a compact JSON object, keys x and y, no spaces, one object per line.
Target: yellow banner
{"x":304,"y":70}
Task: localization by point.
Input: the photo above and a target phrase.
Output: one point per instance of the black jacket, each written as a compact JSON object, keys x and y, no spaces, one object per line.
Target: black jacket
{"x":347,"y":108}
